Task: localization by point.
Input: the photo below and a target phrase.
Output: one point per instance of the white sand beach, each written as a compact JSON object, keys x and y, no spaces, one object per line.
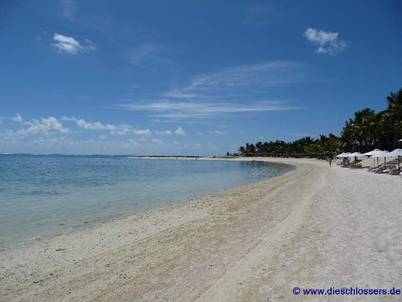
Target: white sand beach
{"x":317,"y":226}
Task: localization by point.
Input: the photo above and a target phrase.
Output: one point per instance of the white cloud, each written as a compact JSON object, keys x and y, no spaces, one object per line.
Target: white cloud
{"x":18,"y":118}
{"x":83,"y":124}
{"x":326,"y":42}
{"x":66,"y":44}
{"x":180,"y":131}
{"x":69,"y":45}
{"x":164,"y":132}
{"x":141,"y":132}
{"x":113,"y":129}
{"x":45,"y":126}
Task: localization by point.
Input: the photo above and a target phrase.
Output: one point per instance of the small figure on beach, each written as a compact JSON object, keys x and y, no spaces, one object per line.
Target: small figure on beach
{"x":330,"y":161}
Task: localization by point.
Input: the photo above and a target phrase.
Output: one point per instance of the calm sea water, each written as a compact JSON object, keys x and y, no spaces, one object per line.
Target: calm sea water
{"x":41,"y":196}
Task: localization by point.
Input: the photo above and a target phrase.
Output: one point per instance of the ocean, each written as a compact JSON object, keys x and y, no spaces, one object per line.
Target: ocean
{"x":45,"y":195}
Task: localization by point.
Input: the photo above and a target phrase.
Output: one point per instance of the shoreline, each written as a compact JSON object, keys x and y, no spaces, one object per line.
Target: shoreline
{"x":96,"y":222}
{"x":248,"y":243}
{"x":130,"y":217}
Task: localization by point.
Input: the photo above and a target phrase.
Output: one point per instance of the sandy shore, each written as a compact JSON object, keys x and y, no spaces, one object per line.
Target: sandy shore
{"x":313,"y":227}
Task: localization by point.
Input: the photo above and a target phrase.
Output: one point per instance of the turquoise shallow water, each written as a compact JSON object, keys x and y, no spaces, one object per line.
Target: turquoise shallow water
{"x":41,"y":196}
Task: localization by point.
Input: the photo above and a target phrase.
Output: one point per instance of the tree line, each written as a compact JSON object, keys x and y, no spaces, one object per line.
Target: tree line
{"x":365,"y":131}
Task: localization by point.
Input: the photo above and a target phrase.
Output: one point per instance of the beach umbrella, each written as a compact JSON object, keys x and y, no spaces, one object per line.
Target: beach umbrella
{"x":343,"y":156}
{"x":396,"y":153}
{"x":380,"y":153}
{"x":377,"y":153}
{"x":371,"y":152}
{"x":355,"y":155}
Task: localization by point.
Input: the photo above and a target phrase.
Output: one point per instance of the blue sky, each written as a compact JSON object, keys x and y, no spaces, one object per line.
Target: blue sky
{"x":189,"y":77}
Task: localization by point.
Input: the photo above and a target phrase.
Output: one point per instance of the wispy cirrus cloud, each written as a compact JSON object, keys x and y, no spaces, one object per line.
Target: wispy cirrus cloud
{"x":326,"y":42}
{"x":69,"y":45}
{"x":245,"y":79}
{"x":184,"y":110}
{"x":234,"y":90}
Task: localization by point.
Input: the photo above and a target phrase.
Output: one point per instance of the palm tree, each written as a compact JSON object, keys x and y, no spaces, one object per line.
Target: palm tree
{"x":360,"y":133}
{"x":365,"y":131}
{"x":395,"y":104}
{"x":258,"y":147}
{"x":395,"y":115}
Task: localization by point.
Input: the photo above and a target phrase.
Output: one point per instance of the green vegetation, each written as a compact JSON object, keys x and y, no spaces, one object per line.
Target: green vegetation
{"x":366,"y":131}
